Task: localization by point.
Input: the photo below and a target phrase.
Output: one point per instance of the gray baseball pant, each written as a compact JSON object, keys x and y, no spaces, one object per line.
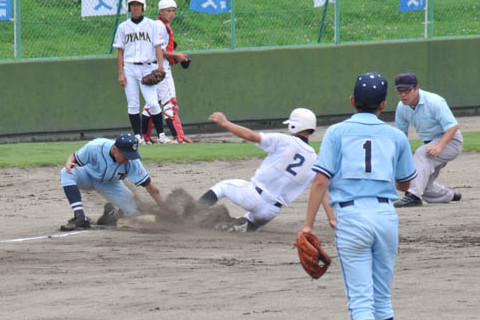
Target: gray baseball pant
{"x":428,"y":168}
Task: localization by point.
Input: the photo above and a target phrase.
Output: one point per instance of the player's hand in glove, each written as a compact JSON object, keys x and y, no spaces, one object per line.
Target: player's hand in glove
{"x":315,"y":261}
{"x":154,"y":77}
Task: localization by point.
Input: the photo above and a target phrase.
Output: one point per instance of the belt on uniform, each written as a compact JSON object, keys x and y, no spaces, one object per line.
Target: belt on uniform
{"x":352,"y":202}
{"x":276,"y":204}
{"x":142,"y":63}
{"x":426,"y":142}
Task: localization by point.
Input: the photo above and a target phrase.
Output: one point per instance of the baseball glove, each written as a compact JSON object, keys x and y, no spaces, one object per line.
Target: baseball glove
{"x":311,"y":254}
{"x":186,"y":64}
{"x":153,"y":77}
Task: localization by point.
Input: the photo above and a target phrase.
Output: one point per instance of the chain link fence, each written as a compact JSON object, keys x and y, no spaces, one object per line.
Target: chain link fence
{"x":56,"y":28}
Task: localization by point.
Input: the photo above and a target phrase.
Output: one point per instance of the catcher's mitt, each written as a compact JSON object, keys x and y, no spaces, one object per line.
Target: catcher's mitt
{"x":186,"y":64}
{"x":311,"y":253}
{"x":153,"y":77}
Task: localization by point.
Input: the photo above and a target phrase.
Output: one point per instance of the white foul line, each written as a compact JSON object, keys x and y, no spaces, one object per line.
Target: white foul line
{"x":58,"y":235}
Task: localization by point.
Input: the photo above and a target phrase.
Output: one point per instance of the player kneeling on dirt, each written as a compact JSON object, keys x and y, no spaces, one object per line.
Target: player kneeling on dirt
{"x":101,"y":165}
{"x":281,"y":178}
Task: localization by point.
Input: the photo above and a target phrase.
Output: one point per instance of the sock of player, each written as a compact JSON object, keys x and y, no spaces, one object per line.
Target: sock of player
{"x":209,"y":198}
{"x":75,"y":200}
{"x":158,"y":122}
{"x":145,"y":121}
{"x":135,"y":122}
{"x":171,"y":127}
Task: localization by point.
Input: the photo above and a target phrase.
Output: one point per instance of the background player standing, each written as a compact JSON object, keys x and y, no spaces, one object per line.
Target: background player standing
{"x":138,"y":43}
{"x":166,"y":89}
{"x":102,"y":165}
{"x":437,"y":127}
{"x":361,"y":192}
{"x":281,"y":178}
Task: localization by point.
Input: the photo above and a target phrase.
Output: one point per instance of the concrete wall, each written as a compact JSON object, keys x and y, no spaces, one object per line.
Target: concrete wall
{"x":81,"y":95}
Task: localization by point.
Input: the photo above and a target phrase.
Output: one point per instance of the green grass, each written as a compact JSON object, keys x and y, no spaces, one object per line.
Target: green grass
{"x":54,"y":28}
{"x":56,"y":153}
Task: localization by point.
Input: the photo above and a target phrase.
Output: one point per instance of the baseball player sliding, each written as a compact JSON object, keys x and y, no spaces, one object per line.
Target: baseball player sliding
{"x":166,"y":89}
{"x":362,"y":161}
{"x":281,"y":178}
{"x":139,"y":49}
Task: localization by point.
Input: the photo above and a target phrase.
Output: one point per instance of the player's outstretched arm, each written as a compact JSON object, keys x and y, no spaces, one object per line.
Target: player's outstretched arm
{"x":240,"y":131}
{"x":155,"y":194}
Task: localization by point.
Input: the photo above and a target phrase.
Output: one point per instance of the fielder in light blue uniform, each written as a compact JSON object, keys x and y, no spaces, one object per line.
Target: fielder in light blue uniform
{"x":363,"y":160}
{"x":102,"y":165}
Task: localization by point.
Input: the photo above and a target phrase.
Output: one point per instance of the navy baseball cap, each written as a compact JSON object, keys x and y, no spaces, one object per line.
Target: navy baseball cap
{"x":128,"y":145}
{"x":370,"y":89}
{"x":405,"y":80}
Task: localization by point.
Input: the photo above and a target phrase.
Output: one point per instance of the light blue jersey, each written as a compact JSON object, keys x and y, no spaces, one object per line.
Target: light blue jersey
{"x":431,"y":117}
{"x":97,"y":170}
{"x":94,"y":157}
{"x":363,"y":156}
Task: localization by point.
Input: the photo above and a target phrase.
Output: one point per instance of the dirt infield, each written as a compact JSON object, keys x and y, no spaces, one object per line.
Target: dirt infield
{"x":144,"y":270}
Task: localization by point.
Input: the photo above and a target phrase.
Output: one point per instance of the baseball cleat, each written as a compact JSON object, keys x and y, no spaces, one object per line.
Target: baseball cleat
{"x":409,"y":200}
{"x":163,"y":139}
{"x":78,"y":223}
{"x":239,"y":225}
{"x":140,"y":139}
{"x":457,"y":196}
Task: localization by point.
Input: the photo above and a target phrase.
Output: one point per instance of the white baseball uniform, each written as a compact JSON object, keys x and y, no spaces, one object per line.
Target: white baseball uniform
{"x":281,"y":178}
{"x":166,"y":88}
{"x":138,"y":42}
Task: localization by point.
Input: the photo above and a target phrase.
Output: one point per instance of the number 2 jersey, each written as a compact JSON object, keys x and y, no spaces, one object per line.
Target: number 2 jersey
{"x":363,"y":156}
{"x":287,"y":170}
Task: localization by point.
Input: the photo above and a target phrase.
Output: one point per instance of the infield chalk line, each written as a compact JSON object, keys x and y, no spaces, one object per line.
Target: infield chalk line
{"x":58,"y":235}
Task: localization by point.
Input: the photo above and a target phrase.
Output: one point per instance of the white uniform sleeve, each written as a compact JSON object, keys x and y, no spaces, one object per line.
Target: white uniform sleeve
{"x":163,"y":33}
{"x":119,"y":36}
{"x":269,"y":141}
{"x":157,"y":39}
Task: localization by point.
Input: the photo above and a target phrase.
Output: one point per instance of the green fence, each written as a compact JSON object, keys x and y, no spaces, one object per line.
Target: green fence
{"x":56,"y":28}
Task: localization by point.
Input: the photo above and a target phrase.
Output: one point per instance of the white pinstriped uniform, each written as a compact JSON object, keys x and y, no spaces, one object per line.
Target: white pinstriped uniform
{"x":138,"y":42}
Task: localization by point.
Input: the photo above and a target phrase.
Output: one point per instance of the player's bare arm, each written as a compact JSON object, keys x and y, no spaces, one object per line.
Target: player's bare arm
{"x":177,"y":56}
{"x":317,"y":194}
{"x":122,"y":80}
{"x":155,"y":194}
{"x":159,"y":55}
{"x":435,"y":149}
{"x":329,"y":210}
{"x":71,"y":162}
{"x":240,"y":131}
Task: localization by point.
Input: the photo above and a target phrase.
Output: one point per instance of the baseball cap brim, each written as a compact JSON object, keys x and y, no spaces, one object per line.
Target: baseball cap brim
{"x":130,"y":155}
{"x":405,"y":86}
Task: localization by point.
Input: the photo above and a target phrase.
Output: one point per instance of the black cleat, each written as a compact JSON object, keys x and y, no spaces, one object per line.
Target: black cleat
{"x":409,"y":200}
{"x":457,"y":196}
{"x":78,"y":223}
